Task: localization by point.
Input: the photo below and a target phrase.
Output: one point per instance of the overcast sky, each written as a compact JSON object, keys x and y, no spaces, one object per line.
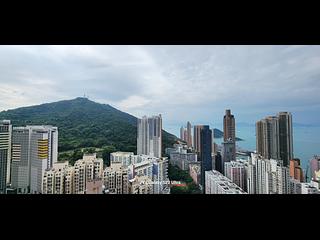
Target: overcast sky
{"x":195,"y":83}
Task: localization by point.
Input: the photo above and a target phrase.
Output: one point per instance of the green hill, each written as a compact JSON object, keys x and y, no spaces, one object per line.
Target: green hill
{"x":83,"y":124}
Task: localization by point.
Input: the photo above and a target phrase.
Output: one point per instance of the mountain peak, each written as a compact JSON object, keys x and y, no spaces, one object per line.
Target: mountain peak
{"x":83,"y":123}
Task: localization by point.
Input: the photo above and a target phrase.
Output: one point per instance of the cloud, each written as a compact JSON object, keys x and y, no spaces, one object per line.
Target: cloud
{"x":183,"y":83}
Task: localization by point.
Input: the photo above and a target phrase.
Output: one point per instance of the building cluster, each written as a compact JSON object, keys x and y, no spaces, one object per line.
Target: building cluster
{"x":180,"y":157}
{"x":132,"y":174}
{"x":85,"y":177}
{"x":272,"y":169}
{"x":274,"y":137}
{"x":29,"y":164}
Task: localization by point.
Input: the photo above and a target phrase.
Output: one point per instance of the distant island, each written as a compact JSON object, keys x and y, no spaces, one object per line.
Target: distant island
{"x":219,"y":134}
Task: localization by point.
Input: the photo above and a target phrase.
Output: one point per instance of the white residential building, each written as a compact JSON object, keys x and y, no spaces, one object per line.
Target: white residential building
{"x":236,"y":171}
{"x":267,"y":176}
{"x":123,"y":157}
{"x":149,"y":139}
{"x":216,"y":183}
{"x":308,"y":188}
{"x":34,"y":150}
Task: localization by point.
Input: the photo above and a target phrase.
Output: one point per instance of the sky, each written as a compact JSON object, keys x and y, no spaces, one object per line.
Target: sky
{"x":183,"y":83}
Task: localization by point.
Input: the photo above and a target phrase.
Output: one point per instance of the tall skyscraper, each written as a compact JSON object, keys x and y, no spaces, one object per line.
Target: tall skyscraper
{"x":43,"y":154}
{"x":218,"y":162}
{"x":5,"y":154}
{"x":296,"y":170}
{"x":34,"y":149}
{"x":228,"y":152}
{"x":229,"y":129}
{"x":21,"y":159}
{"x":196,"y":138}
{"x":205,"y":151}
{"x":267,"y":137}
{"x":182,"y":133}
{"x":274,"y":137}
{"x":285,"y":137}
{"x":149,"y":139}
{"x":189,"y":135}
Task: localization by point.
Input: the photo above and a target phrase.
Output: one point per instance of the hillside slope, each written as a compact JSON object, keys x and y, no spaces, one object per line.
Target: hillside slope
{"x":84,"y":123}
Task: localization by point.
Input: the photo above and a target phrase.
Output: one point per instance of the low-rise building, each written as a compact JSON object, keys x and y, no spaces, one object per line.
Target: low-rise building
{"x":141,"y":185}
{"x":216,"y":183}
{"x":182,"y":160}
{"x":122,"y":157}
{"x":308,"y":188}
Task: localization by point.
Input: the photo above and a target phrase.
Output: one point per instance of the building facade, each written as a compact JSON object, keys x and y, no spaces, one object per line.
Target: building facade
{"x":229,"y":129}
{"x":189,"y":134}
{"x":274,"y":138}
{"x":314,"y":166}
{"x":196,"y":138}
{"x":267,"y":176}
{"x":237,"y":172}
{"x":296,"y":171}
{"x":141,"y":185}
{"x":123,"y":157}
{"x":216,"y":183}
{"x":285,"y":137}
{"x":149,"y":137}
{"x":5,"y":154}
{"x":115,"y":178}
{"x":34,"y":150}
{"x":182,"y":160}
{"x":267,"y":137}
{"x":205,"y":151}
{"x":228,"y":152}
{"x":195,"y":172}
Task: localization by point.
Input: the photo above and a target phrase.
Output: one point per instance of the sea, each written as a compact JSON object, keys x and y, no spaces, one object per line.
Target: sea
{"x":306,"y":141}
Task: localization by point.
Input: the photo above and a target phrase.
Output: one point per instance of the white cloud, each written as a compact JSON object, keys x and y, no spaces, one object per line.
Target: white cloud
{"x":183,"y":82}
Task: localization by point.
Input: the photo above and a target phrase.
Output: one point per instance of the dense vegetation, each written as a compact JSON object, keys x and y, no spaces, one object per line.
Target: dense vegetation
{"x":84,"y":124}
{"x":176,"y":174}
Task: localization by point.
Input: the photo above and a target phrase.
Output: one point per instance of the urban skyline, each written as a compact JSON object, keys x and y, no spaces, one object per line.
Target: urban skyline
{"x":189,"y":91}
{"x":29,"y":162}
